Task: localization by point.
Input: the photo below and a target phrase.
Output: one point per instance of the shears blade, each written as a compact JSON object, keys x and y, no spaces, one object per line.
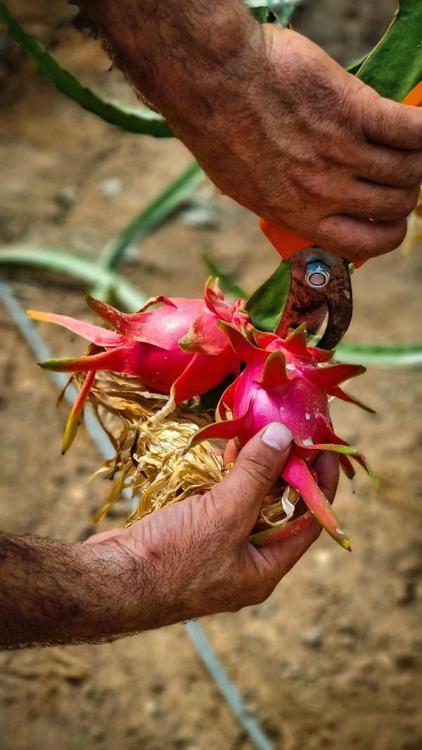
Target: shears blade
{"x":320,"y":289}
{"x":320,"y":293}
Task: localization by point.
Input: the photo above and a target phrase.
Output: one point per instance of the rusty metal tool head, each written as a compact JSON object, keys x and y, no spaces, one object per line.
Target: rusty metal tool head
{"x":320,"y":288}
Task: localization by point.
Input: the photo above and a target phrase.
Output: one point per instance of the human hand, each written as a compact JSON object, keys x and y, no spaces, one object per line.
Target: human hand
{"x":305,"y":144}
{"x":274,"y":121}
{"x":194,"y":558}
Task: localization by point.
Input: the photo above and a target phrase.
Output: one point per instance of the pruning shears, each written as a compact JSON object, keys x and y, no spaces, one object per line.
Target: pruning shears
{"x":320,"y":288}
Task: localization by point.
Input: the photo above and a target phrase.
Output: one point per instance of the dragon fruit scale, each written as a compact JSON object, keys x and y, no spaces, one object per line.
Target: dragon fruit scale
{"x":173,"y":345}
{"x":287,"y":380}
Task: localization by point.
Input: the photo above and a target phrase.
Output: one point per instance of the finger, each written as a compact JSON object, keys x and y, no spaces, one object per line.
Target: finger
{"x":231,"y":453}
{"x":392,"y":124}
{"x":240,"y":496}
{"x":357,"y":239}
{"x":380,"y":203}
{"x":277,"y":559}
{"x":327,"y":468}
{"x":389,"y":166}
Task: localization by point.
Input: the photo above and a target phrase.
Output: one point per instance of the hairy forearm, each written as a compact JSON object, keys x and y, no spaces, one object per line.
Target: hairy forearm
{"x":183,"y":57}
{"x":274,"y":121}
{"x":54,"y":593}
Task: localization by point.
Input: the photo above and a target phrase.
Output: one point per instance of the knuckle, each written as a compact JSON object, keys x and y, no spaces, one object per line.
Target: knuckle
{"x":314,"y":187}
{"x":349,"y":105}
{"x":260,"y":596}
{"x":374,"y":117}
{"x":264,"y":589}
{"x":416,"y":129}
{"x":365,"y":247}
{"x":392,"y":205}
{"x":254,"y":585}
{"x":416,"y":192}
{"x":261,"y":584}
{"x":397,"y":236}
{"x":332,"y":236}
{"x":408,"y":170}
{"x":383,"y":242}
{"x":255,"y":594}
{"x":405,"y":203}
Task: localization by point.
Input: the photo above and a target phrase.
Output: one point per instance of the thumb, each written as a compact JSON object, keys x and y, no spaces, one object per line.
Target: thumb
{"x":257,"y":467}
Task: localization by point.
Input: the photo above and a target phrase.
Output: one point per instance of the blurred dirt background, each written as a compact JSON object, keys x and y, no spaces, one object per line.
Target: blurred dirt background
{"x":333,"y":659}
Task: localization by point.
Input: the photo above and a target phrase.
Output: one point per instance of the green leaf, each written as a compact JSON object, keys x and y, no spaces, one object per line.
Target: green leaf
{"x":261,"y":14}
{"x":266,"y":305}
{"x":394,"y":66}
{"x":228,"y":285}
{"x":154,"y":214}
{"x":131,"y":119}
{"x":381,"y":355}
{"x":72,"y":265}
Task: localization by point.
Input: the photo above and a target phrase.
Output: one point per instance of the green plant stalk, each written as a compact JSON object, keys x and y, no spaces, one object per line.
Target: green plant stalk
{"x":381,"y":355}
{"x":130,"y":119}
{"x":394,"y":66}
{"x":227,"y":284}
{"x":153,"y":215}
{"x":80,"y":268}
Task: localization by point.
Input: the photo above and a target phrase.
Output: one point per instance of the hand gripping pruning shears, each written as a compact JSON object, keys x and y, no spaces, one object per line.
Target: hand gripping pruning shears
{"x":320,"y":288}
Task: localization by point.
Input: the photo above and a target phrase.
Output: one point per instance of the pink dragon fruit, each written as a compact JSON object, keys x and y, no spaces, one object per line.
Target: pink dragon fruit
{"x":174,"y":348}
{"x":286,"y":380}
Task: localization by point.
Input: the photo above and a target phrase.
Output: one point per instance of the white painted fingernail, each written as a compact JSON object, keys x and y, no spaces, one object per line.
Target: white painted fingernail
{"x":277,"y":436}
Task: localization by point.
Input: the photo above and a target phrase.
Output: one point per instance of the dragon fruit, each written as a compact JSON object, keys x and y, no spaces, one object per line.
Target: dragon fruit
{"x":175,"y":348}
{"x":287,"y":380}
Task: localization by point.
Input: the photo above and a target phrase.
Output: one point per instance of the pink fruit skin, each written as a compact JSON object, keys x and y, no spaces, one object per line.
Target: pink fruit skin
{"x":175,"y":347}
{"x":296,"y":404}
{"x":290,"y":382}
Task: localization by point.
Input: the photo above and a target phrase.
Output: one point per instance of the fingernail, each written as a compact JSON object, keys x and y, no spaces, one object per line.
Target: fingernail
{"x":277,"y":436}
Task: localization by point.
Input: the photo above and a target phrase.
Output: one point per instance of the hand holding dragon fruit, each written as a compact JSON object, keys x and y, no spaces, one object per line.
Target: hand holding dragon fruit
{"x":286,"y":380}
{"x":184,"y":348}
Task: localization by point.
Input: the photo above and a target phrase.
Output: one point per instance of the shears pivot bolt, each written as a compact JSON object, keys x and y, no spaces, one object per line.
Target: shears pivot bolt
{"x":318,"y":274}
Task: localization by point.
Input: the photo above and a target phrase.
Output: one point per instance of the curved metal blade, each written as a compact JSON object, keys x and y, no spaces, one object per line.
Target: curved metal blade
{"x":312,"y":305}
